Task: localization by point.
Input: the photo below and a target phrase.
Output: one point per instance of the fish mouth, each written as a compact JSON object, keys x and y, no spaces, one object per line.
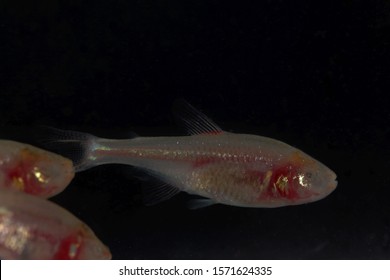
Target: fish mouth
{"x":328,"y":185}
{"x":333,"y":181}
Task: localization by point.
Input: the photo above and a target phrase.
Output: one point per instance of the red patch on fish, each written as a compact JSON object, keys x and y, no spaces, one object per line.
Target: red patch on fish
{"x":280,"y":184}
{"x":203,"y":161}
{"x":22,"y":176}
{"x":69,"y":248}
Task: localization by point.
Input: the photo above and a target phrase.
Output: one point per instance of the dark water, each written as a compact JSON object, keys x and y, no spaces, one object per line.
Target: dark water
{"x":315,"y":75}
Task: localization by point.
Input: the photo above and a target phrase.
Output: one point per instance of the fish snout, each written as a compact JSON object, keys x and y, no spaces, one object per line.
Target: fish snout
{"x":324,"y":181}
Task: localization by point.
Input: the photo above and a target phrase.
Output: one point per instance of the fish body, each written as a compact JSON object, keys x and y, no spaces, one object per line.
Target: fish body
{"x":32,"y":170}
{"x":34,"y":228}
{"x":234,"y":169}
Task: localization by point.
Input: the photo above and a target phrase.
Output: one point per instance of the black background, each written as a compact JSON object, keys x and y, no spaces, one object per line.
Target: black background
{"x":314,"y":74}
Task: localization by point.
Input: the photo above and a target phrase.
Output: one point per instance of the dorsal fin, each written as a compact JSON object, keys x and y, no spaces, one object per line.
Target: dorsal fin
{"x":193,"y":120}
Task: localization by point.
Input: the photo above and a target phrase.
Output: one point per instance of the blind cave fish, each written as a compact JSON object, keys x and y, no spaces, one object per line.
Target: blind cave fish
{"x":227,"y":168}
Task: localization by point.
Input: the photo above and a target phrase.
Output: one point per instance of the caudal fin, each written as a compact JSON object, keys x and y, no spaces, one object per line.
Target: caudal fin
{"x":77,"y":146}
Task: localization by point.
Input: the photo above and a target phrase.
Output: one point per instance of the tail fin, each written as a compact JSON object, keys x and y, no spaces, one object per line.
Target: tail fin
{"x":77,"y":146}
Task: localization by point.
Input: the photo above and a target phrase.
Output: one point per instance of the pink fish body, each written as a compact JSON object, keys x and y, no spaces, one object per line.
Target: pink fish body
{"x":34,"y":228}
{"x":33,"y":170}
{"x":227,"y":168}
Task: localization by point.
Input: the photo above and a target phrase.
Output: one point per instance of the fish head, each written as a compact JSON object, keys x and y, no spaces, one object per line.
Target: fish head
{"x":310,"y":179}
{"x":50,"y":175}
{"x":38,"y":172}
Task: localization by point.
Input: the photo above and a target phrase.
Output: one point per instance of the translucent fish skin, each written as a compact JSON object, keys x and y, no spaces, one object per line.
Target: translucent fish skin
{"x":33,"y":170}
{"x":34,"y":228}
{"x":234,"y":169}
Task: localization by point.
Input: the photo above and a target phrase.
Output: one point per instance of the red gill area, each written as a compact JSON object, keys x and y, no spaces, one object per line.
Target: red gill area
{"x":70,"y":247}
{"x":281,"y":184}
{"x":21,"y":176}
